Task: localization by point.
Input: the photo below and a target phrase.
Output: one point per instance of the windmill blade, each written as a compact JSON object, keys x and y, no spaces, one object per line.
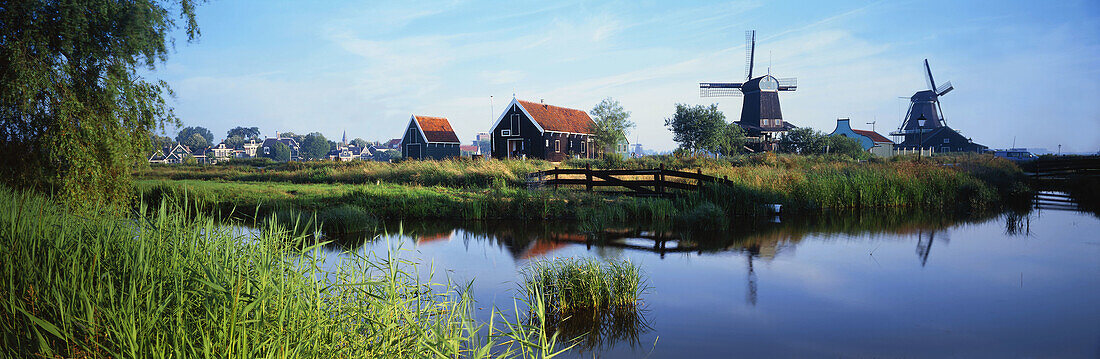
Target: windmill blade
{"x":928,"y":76}
{"x":788,"y":84}
{"x":944,"y":88}
{"x":720,"y":89}
{"x":750,"y":52}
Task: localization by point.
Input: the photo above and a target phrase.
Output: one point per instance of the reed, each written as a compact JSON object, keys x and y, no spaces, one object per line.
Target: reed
{"x":568,"y":285}
{"x":170,"y":282}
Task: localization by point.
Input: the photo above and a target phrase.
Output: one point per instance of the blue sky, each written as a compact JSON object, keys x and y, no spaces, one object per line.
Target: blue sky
{"x":1022,"y":70}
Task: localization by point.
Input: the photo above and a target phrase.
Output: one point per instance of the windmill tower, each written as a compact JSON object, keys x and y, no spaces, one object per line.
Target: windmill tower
{"x":925,"y":105}
{"x":760,"y":115}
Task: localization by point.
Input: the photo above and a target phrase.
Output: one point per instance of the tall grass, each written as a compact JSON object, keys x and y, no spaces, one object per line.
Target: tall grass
{"x":573,"y":284}
{"x":169,"y":283}
{"x":596,"y":303}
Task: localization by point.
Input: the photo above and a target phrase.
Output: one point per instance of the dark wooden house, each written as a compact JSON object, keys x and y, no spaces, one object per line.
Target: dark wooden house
{"x":941,"y":140}
{"x":537,"y":130}
{"x":429,"y":137}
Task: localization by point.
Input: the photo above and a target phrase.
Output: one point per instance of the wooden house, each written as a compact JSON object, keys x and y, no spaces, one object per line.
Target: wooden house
{"x":537,"y":130}
{"x":429,"y":137}
{"x":941,"y":140}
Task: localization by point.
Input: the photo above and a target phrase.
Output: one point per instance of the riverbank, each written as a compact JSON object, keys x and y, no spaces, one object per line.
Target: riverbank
{"x":171,"y":282}
{"x":800,"y":184}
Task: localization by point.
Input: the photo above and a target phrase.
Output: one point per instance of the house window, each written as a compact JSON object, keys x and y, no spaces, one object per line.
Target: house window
{"x":505,"y":132}
{"x":267,"y":150}
{"x":947,"y":140}
{"x":557,"y":145}
{"x":515,"y":124}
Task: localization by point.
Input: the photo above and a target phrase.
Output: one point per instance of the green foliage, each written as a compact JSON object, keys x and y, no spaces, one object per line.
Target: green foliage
{"x":172,"y":282}
{"x":244,"y":132}
{"x":236,"y":142}
{"x":698,"y":128}
{"x":75,"y":113}
{"x":188,"y":135}
{"x":803,"y":140}
{"x":314,"y":147}
{"x":280,"y":152}
{"x":568,"y":285}
{"x":297,"y":138}
{"x":850,"y":147}
{"x":160,"y":142}
{"x":731,"y":141}
{"x":611,"y":122}
{"x":195,"y":142}
{"x":359,"y":142}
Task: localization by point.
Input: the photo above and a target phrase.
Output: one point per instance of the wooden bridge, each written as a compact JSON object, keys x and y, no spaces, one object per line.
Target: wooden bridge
{"x":1056,"y":170}
{"x":658,"y":182}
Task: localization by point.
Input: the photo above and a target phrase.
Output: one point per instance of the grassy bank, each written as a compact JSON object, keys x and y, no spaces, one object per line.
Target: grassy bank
{"x":799,"y":183}
{"x":451,"y":173}
{"x":168,"y":283}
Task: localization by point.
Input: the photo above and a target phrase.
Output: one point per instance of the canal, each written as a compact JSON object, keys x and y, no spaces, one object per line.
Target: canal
{"x":852,"y":284}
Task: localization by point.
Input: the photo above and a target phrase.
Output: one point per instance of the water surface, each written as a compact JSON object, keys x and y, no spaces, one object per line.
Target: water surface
{"x":885,"y":284}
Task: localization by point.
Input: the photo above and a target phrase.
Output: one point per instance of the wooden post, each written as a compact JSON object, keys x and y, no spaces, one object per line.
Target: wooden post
{"x":588,"y":177}
{"x":660,"y":177}
{"x":555,"y":178}
{"x":699,"y":182}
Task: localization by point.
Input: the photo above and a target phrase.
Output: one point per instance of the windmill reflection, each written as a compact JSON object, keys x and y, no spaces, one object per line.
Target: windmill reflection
{"x":924,"y":244}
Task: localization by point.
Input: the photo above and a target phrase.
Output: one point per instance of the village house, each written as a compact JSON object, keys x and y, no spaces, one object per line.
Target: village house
{"x":268,"y":145}
{"x":222,"y":152}
{"x":537,"y":130}
{"x":429,"y":137}
{"x":871,"y":141}
{"x":171,"y":154}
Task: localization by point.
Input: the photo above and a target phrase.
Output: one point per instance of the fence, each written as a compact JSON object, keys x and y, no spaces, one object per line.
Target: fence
{"x":641,"y":182}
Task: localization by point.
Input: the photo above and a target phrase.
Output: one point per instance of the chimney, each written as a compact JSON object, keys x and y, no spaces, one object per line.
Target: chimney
{"x":276,"y":135}
{"x":542,"y":101}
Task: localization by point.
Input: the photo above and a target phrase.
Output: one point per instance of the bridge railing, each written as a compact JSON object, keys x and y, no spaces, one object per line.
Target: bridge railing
{"x":640,"y":182}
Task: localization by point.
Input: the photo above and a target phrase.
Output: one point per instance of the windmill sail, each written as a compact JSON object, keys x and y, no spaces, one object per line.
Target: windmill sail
{"x":944,"y":88}
{"x":928,"y":76}
{"x":750,"y":52}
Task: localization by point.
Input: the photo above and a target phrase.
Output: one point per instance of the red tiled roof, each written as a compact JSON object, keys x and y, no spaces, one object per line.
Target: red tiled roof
{"x":559,"y":119}
{"x":436,"y":129}
{"x":874,"y":136}
{"x":467,"y":148}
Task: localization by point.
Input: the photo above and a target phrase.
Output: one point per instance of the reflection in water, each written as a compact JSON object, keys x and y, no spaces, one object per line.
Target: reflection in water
{"x":924,"y":244}
{"x":596,"y":331}
{"x":851,"y":284}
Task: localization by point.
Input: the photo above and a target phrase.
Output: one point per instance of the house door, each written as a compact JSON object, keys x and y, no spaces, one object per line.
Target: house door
{"x":412,"y":150}
{"x":515,"y":148}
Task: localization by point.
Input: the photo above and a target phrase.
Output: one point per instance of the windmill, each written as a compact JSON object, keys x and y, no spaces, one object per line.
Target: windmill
{"x":924,"y":104}
{"x":760,"y":113}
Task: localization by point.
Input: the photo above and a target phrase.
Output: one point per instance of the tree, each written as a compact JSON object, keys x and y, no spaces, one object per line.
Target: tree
{"x":848,"y":146}
{"x":314,"y":147}
{"x":804,"y":141}
{"x":185,"y":136}
{"x":359,"y":142}
{"x":611,"y":122}
{"x":195,"y":142}
{"x":75,"y":111}
{"x":731,"y":140}
{"x":236,"y":142}
{"x":697,"y":127}
{"x":297,"y":138}
{"x":279,"y":152}
{"x":252,"y":133}
{"x":160,"y":142}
